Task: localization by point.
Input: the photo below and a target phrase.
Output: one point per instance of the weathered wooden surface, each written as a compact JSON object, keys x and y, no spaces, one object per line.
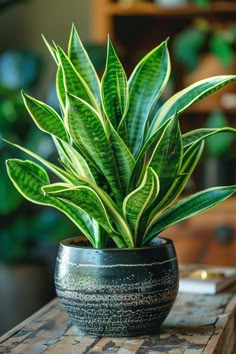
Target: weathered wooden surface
{"x":196,"y":324}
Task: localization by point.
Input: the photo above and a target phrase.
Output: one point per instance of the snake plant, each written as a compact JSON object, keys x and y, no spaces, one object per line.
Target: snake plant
{"x":122,"y":159}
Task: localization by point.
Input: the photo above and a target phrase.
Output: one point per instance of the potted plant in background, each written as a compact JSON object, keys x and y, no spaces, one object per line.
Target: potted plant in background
{"x":205,"y":49}
{"x":219,"y":153}
{"x":122,"y":166}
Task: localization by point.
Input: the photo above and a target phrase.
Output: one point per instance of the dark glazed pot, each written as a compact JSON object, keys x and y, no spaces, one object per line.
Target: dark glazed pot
{"x":117,"y":292}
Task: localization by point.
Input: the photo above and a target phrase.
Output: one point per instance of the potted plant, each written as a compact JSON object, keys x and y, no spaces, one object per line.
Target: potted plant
{"x":122,"y":166}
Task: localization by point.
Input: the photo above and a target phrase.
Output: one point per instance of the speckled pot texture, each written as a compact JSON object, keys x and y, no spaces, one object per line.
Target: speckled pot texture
{"x":117,"y":292}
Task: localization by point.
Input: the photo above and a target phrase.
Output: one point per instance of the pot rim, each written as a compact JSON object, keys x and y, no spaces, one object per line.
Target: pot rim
{"x":68,"y":243}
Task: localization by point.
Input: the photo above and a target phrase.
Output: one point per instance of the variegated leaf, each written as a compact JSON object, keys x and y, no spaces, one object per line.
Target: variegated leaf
{"x":63,"y":175}
{"x":143,"y":156}
{"x":146,"y":85}
{"x":114,"y":88}
{"x":166,"y":158}
{"x":45,"y":117}
{"x":196,"y":135}
{"x":86,"y":199}
{"x":29,"y":178}
{"x":75,"y":160}
{"x":188,"y":207}
{"x":189,"y":162}
{"x":52,"y":50}
{"x":83,"y":65}
{"x":60,"y":87}
{"x":140,"y":199}
{"x":86,"y":128}
{"x":73,"y":81}
{"x":123,"y":158}
{"x":187,"y":97}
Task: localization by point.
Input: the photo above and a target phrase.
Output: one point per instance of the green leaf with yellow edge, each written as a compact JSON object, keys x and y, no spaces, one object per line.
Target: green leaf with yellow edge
{"x":86,"y":199}
{"x":188,"y":207}
{"x":60,"y":87}
{"x":74,"y":82}
{"x":29,"y":179}
{"x":183,"y":99}
{"x":189,"y":162}
{"x":114,"y":88}
{"x":83,"y":65}
{"x":87,"y":130}
{"x":196,"y":135}
{"x":146,"y":84}
{"x":45,"y":117}
{"x":166,"y":158}
{"x":140,"y":199}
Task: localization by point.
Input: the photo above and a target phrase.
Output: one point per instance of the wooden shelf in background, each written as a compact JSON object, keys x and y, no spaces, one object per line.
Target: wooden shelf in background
{"x":146,"y":9}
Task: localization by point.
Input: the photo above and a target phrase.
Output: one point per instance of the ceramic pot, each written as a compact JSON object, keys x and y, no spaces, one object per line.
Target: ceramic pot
{"x":117,"y":292}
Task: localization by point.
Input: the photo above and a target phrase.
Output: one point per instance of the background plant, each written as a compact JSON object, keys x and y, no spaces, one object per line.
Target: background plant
{"x":123,"y":163}
{"x":205,"y":37}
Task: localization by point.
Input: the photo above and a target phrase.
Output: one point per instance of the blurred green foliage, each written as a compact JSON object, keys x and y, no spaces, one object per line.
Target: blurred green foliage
{"x":222,"y":145}
{"x":204,"y":37}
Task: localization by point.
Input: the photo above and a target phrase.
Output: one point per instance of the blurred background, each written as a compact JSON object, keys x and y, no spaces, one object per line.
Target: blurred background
{"x":202,"y":43}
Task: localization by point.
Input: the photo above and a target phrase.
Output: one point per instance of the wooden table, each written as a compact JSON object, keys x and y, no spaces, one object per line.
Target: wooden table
{"x":196,"y":324}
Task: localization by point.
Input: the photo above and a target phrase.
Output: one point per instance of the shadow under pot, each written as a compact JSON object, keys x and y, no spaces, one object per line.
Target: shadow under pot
{"x":117,"y":292}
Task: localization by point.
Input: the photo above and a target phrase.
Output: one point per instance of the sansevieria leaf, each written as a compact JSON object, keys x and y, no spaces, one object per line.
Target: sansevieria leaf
{"x":188,"y":207}
{"x":124,"y":159}
{"x":189,"y":162}
{"x":114,"y":88}
{"x":186,"y":97}
{"x":87,"y":129}
{"x":83,"y":65}
{"x":29,"y":178}
{"x":75,"y":160}
{"x":73,"y":81}
{"x":52,"y":50}
{"x":140,"y":199}
{"x":60,"y":87}
{"x":197,"y":135}
{"x":86,"y":199}
{"x":60,"y":173}
{"x":46,"y":118}
{"x":146,"y":85}
{"x":166,"y":158}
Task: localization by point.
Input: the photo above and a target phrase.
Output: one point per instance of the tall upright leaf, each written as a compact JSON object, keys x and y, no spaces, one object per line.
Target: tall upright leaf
{"x":82,"y":63}
{"x":124,"y":159}
{"x":140,"y":199}
{"x":189,"y":162}
{"x":87,"y":129}
{"x":146,"y":85}
{"x":166,"y":158}
{"x":114,"y":88}
{"x":73,"y":81}
{"x":60,"y":87}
